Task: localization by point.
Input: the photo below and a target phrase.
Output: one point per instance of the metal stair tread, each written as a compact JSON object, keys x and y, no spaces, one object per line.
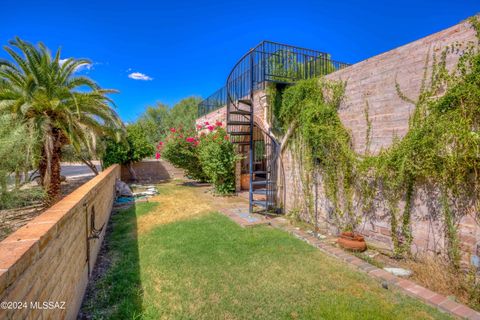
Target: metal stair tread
{"x":245,"y":101}
{"x":238,"y":123}
{"x":242,"y":112}
{"x":262,"y":203}
{"x":263,"y":191}
{"x":261,"y":182}
{"x":239,"y":133}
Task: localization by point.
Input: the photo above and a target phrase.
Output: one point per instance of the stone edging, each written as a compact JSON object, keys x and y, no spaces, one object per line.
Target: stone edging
{"x":409,"y":287}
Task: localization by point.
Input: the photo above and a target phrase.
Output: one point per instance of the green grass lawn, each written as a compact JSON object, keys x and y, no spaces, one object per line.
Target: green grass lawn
{"x":207,"y":267}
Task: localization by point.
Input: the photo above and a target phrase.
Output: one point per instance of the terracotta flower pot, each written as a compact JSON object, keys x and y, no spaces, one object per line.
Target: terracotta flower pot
{"x":351,"y":241}
{"x":245,"y":181}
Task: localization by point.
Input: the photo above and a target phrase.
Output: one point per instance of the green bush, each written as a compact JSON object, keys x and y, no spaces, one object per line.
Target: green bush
{"x":133,"y":148}
{"x":205,"y":157}
{"x":21,"y":198}
{"x":217,"y":157}
{"x":180,"y":149}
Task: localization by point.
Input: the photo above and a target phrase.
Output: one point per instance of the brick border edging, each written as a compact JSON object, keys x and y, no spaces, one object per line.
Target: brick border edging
{"x":412,"y":289}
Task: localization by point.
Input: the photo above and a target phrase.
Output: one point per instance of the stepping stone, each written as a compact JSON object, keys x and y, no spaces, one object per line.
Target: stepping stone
{"x":399,"y":272}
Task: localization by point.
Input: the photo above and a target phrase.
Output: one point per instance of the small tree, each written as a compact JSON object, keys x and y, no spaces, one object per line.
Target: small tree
{"x":133,"y":148}
{"x":18,"y":151}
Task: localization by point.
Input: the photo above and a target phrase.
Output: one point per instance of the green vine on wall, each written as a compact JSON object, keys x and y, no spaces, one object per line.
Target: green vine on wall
{"x":368,"y":133}
{"x":320,"y":140}
{"x":440,"y":149}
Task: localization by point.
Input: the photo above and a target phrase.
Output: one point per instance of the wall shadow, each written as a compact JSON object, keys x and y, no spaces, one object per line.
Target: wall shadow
{"x":114,"y":290}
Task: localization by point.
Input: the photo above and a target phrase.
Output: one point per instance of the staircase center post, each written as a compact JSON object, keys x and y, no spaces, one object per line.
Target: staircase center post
{"x":251,"y":149}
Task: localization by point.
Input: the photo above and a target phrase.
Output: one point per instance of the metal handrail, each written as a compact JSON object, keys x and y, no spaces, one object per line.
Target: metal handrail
{"x":267,"y":62}
{"x":268,"y":49}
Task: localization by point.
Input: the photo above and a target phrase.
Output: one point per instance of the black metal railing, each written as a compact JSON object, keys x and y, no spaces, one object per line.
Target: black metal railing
{"x":215,"y":101}
{"x":267,"y":62}
{"x":271,"y":62}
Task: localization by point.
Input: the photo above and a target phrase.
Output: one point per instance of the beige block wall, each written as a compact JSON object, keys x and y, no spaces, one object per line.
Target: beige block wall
{"x":46,"y":260}
{"x":152,"y":171}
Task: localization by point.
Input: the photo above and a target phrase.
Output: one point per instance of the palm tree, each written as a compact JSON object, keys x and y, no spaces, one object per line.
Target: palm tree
{"x":45,"y":93}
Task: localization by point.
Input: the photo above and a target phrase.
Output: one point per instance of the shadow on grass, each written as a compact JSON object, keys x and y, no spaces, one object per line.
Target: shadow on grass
{"x":194,"y":184}
{"x":115,"y":289}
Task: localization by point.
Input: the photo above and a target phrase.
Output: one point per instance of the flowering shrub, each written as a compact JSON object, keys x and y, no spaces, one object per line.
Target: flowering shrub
{"x":183,"y":153}
{"x":207,"y":155}
{"x":217,"y":156}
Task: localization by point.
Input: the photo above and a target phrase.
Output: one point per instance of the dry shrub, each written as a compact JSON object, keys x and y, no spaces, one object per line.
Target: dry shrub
{"x":436,"y":274}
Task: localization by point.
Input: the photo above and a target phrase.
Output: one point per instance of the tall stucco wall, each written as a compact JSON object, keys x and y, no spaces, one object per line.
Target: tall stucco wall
{"x":373,"y":82}
{"x":48,"y":260}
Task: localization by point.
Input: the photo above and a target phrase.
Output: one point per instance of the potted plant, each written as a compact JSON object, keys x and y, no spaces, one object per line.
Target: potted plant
{"x":245,"y":181}
{"x":352,"y":241}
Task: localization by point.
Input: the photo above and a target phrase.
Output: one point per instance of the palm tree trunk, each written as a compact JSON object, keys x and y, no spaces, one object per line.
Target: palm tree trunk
{"x":49,"y":166}
{"x":45,"y":165}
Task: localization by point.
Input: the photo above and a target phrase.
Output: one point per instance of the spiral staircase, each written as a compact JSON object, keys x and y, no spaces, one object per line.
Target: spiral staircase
{"x":268,"y":62}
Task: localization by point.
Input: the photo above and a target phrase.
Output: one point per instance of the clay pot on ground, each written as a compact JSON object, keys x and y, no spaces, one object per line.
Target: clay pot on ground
{"x":352,"y":241}
{"x":245,"y":181}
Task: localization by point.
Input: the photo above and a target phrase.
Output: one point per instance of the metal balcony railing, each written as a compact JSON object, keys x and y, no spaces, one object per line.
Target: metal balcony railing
{"x":270,"y":62}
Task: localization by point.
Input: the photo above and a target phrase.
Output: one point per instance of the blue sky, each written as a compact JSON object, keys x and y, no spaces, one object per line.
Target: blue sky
{"x":188,"y":47}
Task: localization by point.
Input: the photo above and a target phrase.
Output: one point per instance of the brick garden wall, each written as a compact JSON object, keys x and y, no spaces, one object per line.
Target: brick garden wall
{"x":46,"y":260}
{"x":373,"y":81}
{"x":212,"y":117}
{"x":152,"y":171}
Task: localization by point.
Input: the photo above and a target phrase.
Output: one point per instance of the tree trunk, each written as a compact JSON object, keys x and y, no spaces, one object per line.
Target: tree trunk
{"x":18,"y":179}
{"x":3,"y":182}
{"x":133,"y":174}
{"x":89,"y":164}
{"x":49,"y":166}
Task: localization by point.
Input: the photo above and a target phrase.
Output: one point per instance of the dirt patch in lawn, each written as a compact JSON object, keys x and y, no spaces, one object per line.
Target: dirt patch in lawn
{"x":180,"y":200}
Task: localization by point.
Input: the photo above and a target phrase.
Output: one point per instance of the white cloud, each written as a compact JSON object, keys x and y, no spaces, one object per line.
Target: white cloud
{"x":84,"y":66}
{"x":139,"y":76}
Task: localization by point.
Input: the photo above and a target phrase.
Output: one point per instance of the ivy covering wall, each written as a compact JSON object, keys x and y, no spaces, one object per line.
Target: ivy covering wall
{"x":441,"y":148}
